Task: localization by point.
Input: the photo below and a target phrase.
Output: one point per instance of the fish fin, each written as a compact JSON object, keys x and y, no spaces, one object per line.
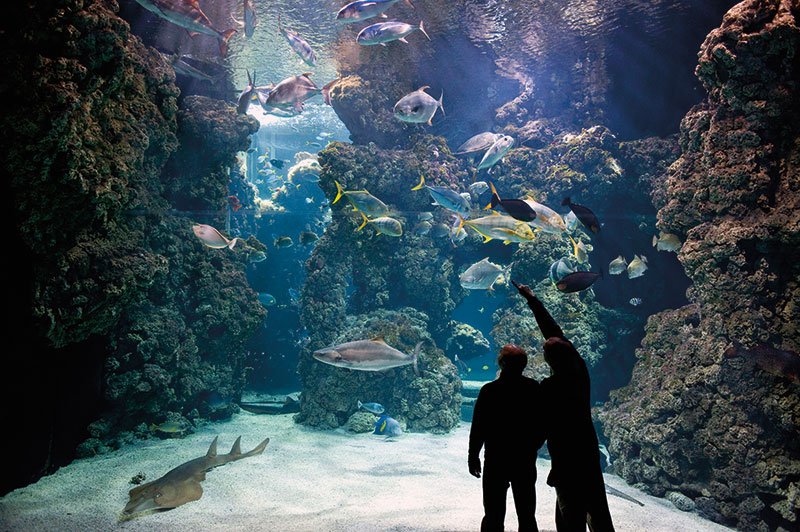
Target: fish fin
{"x":339,"y":192}
{"x":233,"y":243}
{"x":236,"y":450}
{"x":439,"y":103}
{"x":382,"y":43}
{"x":193,"y":34}
{"x":237,"y":22}
{"x":401,"y":39}
{"x":298,"y":106}
{"x":384,"y":15}
{"x":421,"y":183}
{"x":212,"y":450}
{"x":223,"y":43}
{"x":326,"y":91}
{"x":565,"y":201}
{"x":360,"y":227}
{"x":422,"y":29}
{"x":415,"y":355}
{"x":378,"y":339}
{"x":655,"y":240}
{"x":423,"y":88}
{"x":410,"y":4}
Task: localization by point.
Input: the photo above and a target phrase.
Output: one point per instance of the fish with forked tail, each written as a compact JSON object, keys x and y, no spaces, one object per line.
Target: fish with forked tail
{"x":368,"y":355}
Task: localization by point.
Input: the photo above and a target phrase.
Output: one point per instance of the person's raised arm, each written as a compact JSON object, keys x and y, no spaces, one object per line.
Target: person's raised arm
{"x":546,"y":323}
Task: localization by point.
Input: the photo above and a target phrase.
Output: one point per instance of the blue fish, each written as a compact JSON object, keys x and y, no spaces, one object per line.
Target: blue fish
{"x":447,"y":198}
{"x":635,"y":301}
{"x":375,"y":408}
{"x":387,"y":426}
{"x":265,"y":299}
{"x":364,"y":9}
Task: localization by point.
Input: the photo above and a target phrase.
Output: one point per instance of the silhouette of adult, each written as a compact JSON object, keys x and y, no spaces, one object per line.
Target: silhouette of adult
{"x":505,"y":424}
{"x":571,"y":440}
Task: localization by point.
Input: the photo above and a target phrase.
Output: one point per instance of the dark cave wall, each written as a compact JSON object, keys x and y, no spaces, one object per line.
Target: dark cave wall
{"x":108,"y":274}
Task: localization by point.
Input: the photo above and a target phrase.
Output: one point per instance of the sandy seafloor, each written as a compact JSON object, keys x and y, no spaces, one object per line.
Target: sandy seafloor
{"x":306,"y":480}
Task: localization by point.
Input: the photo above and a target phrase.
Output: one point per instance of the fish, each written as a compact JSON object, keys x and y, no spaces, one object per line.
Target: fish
{"x":387,"y":426}
{"x":307,"y":237}
{"x":485,"y":368}
{"x":362,"y":201}
{"x":560,"y":269}
{"x":250,"y":20}
{"x":291,"y":92}
{"x":185,"y":69}
{"x":477,"y":143}
{"x":268,"y":300}
{"x":478,"y":187}
{"x":294,"y":297}
{"x":364,"y":9}
{"x":457,"y":234}
{"x":257,"y":256}
{"x":298,"y":44}
{"x":577,"y":281}
{"x":579,"y":250}
{"x":482,"y":275}
{"x":501,"y":227}
{"x":584,"y":215}
{"x":422,"y":228}
{"x":667,"y":242}
{"x":283,"y":242}
{"x":182,"y":484}
{"x":384,"y":32}
{"x":516,"y":208}
{"x":440,"y":230}
{"x":246,"y":96}
{"x":373,"y":408}
{"x":383,"y":224}
{"x":571,"y":221}
{"x":277,"y":163}
{"x":462,"y":367}
{"x":368,"y":355}
{"x":617,"y":493}
{"x":777,"y":362}
{"x":446,"y":197}
{"x":417,"y":107}
{"x":637,"y":267}
{"x":547,"y":220}
{"x":212,"y":238}
{"x":635,"y":301}
{"x":425,"y":215}
{"x":188,"y":15}
{"x":495,"y":152}
{"x":313,"y":144}
{"x":169,"y":427}
{"x":617,"y":266}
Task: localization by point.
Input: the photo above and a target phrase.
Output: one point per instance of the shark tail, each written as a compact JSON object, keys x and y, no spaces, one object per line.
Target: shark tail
{"x":236,"y":451}
{"x":415,"y":355}
{"x":421,"y":182}
{"x":223,"y":42}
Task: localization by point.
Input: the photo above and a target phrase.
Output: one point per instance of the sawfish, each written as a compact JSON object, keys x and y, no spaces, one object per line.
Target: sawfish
{"x":182,"y":484}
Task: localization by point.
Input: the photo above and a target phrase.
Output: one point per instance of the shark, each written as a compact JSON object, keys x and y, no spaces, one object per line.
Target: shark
{"x":188,"y":15}
{"x":182,"y":484}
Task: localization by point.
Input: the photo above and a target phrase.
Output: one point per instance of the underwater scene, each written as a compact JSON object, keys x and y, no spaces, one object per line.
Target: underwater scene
{"x":299,"y":266}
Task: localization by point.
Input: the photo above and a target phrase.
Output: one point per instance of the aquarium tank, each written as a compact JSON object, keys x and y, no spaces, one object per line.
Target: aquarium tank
{"x":299,"y":223}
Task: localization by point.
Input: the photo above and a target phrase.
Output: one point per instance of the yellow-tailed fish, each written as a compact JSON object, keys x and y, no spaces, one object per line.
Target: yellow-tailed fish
{"x":362,"y":201}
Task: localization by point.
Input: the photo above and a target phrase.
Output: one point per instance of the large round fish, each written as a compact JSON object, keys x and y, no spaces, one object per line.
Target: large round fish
{"x":367,"y":355}
{"x":560,"y":269}
{"x":418,"y":107}
{"x":482,"y":275}
{"x":476,"y":144}
{"x":384,"y":32}
{"x":291,"y":92}
{"x":548,"y":220}
{"x":364,"y":9}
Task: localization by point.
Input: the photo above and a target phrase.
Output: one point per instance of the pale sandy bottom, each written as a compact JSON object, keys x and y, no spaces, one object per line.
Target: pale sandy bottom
{"x":306,"y":480}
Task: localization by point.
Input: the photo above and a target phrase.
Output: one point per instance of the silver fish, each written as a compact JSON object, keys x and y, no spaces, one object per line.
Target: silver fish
{"x":637,"y":267}
{"x":367,"y":355}
{"x":243,"y":103}
{"x":446,"y":197}
{"x":478,"y":143}
{"x":496,"y":152}
{"x":383,"y":224}
{"x":418,"y":107}
{"x":212,"y":238}
{"x":188,"y":15}
{"x":250,"y":20}
{"x":364,"y":9}
{"x":482,"y":275}
{"x":299,"y":45}
{"x":667,"y":242}
{"x":617,"y":266}
{"x":291,"y":92}
{"x":384,"y":32}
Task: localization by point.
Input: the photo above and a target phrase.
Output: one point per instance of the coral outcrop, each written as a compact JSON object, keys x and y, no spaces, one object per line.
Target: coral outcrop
{"x":721,"y":430}
{"x":116,"y":273}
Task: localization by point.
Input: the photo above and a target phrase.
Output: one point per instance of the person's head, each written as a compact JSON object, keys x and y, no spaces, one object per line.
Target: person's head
{"x":557,"y":352}
{"x":512,"y":359}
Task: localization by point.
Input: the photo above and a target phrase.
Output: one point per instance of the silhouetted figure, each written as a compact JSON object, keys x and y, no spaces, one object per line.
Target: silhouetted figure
{"x":571,"y":440}
{"x":506,"y":424}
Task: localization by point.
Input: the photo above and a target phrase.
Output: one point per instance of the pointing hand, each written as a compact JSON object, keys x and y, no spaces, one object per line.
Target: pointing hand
{"x":524,"y":290}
